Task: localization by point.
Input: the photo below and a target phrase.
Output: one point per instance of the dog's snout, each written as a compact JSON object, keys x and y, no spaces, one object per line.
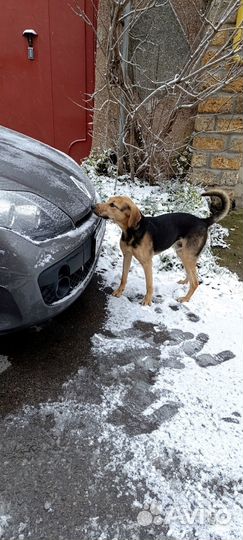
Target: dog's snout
{"x":95,"y":209}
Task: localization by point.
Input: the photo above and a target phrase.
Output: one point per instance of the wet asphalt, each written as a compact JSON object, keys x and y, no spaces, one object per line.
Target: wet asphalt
{"x":43,"y":358}
{"x":37,"y":470}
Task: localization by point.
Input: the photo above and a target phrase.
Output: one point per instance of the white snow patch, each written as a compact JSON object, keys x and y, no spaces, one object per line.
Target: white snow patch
{"x":5,"y":518}
{"x":43,"y":260}
{"x":203,"y":435}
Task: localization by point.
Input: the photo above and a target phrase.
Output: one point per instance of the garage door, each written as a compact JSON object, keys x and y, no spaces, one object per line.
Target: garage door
{"x":46,"y":78}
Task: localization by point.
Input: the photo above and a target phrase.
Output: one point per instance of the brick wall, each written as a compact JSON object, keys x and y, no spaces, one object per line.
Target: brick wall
{"x":217,"y":157}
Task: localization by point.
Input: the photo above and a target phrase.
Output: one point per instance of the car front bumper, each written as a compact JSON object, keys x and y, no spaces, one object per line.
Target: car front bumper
{"x":40,"y":280}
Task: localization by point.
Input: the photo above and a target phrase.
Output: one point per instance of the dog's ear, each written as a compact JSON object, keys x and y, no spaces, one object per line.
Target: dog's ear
{"x":135,"y":216}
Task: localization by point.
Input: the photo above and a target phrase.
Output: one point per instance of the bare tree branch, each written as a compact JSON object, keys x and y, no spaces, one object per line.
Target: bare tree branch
{"x":137,"y":96}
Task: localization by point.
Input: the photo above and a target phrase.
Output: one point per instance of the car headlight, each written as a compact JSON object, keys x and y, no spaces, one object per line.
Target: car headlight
{"x":32,"y":216}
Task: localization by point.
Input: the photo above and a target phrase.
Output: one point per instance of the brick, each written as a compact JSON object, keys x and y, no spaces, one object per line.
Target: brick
{"x":221,"y":36}
{"x":198,"y":160}
{"x":230,"y":178}
{"x":209,"y":143}
{"x":204,"y":123}
{"x":238,"y":104}
{"x":235,"y":144}
{"x":235,"y":86}
{"x":230,"y":124}
{"x":223,"y":162}
{"x":209,"y":55}
{"x":205,"y":176}
{"x":210,"y":80}
{"x":220,"y":75}
{"x":217,"y":104}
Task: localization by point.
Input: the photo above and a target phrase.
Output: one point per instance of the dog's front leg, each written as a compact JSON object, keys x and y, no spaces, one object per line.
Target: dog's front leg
{"x":127,"y":259}
{"x":148,"y":270}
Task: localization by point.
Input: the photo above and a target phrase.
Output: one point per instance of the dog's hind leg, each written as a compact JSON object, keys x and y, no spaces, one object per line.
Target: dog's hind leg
{"x":186,"y":252}
{"x":190,"y":267}
{"x":127,"y":259}
{"x":178,"y":247}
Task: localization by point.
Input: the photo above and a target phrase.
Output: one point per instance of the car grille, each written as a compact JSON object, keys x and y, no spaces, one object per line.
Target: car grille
{"x":59,"y":280}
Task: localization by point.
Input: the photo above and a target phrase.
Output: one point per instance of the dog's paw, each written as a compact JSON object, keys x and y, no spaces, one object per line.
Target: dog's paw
{"x":147,"y":301}
{"x":183,"y":299}
{"x":118,"y":292}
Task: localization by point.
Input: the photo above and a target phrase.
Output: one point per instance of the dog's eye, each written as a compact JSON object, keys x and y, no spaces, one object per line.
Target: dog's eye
{"x":112,"y":205}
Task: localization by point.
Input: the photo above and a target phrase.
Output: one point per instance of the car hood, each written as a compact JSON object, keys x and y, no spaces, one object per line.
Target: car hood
{"x":29,"y":165}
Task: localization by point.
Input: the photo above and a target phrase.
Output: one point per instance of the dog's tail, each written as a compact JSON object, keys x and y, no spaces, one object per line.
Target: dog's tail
{"x":225,"y":202}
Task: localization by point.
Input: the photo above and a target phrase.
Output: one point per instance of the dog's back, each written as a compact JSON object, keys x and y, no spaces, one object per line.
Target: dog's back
{"x":166,"y":229}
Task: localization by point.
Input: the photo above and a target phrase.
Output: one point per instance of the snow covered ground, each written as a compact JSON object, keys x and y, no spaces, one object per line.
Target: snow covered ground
{"x":188,"y":452}
{"x":161,"y":440}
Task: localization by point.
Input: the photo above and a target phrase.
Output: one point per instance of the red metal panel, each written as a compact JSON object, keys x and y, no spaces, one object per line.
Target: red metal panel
{"x":25,"y":85}
{"x":46,"y":97}
{"x":68,"y":59}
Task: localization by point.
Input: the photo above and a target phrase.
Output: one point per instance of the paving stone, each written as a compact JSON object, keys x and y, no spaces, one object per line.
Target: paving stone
{"x":203,"y":337}
{"x":173,"y":363}
{"x":224,"y":356}
{"x":193,"y":317}
{"x":205,"y":360}
{"x":188,"y":335}
{"x":148,"y":363}
{"x":231,"y":420}
{"x":166,"y":412}
{"x":177,"y":336}
{"x":158,"y":309}
{"x":191,"y":348}
{"x":161,"y":336}
{"x":174,"y":307}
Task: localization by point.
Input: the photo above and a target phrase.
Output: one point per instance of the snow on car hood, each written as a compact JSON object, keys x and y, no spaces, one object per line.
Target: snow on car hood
{"x":29,"y":165}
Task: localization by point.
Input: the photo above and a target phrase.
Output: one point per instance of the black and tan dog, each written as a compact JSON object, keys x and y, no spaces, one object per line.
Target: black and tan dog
{"x":144,"y":236}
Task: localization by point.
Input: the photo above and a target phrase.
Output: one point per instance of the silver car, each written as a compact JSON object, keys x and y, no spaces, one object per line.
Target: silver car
{"x":49,"y":237}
